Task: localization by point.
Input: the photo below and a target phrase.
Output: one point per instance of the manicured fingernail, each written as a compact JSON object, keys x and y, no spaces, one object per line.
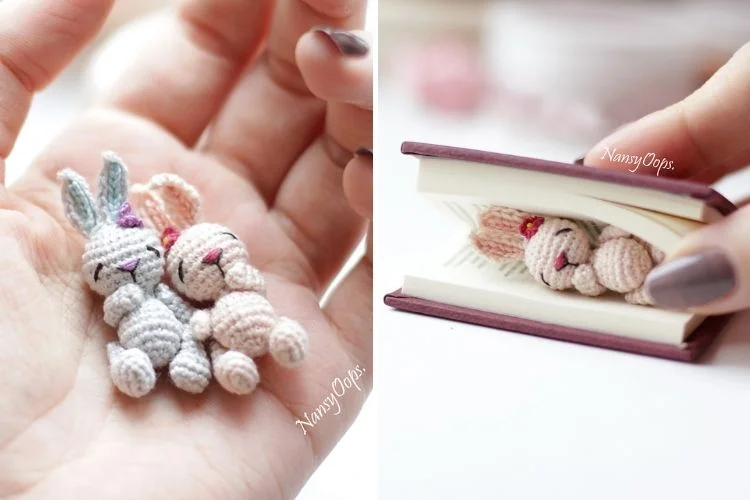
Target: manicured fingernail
{"x":692,"y":280}
{"x":346,"y":43}
{"x":363,"y":152}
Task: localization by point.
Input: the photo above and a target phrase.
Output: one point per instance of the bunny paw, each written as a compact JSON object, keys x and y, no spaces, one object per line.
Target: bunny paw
{"x":131,"y":370}
{"x":584,"y":280}
{"x":200,"y":325}
{"x":288,"y":343}
{"x":235,"y":372}
{"x":246,"y":278}
{"x":640,"y":297}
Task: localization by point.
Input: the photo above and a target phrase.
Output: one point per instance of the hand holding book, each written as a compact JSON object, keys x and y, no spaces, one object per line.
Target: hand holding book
{"x":706,"y":136}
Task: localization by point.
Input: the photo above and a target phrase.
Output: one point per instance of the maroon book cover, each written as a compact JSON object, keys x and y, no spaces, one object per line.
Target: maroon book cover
{"x":690,"y":350}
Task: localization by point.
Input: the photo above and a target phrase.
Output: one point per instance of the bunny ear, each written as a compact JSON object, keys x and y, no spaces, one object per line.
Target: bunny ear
{"x":502,"y":218}
{"x":113,"y":186}
{"x":78,"y":203}
{"x":498,"y":245}
{"x":150,"y":206}
{"x":168,"y":201}
{"x":181,"y":200}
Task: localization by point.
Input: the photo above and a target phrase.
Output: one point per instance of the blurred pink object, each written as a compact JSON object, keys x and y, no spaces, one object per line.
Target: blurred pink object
{"x":447,"y":75}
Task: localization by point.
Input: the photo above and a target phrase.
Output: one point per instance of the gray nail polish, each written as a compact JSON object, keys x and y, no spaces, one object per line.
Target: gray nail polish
{"x":692,"y":280}
{"x":363,"y":152}
{"x":346,"y":43}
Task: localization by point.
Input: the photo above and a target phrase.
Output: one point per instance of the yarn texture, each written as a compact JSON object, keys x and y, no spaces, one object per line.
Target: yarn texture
{"x":124,"y":262}
{"x":206,"y":263}
{"x":558,"y":253}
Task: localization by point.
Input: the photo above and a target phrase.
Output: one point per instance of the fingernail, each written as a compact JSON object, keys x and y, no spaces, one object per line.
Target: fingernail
{"x":692,"y":280}
{"x":579,"y":161}
{"x":363,"y":152}
{"x":346,"y":43}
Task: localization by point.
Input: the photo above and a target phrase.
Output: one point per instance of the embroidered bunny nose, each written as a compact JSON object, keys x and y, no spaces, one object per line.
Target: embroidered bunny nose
{"x":561,"y":261}
{"x":129,"y":266}
{"x":213,"y":256}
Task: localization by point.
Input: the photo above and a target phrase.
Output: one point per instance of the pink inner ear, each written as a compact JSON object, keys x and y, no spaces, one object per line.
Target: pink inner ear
{"x":501,"y":218}
{"x":497,"y":245}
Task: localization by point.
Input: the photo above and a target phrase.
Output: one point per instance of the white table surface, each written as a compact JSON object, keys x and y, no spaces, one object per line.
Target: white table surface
{"x":475,"y":413}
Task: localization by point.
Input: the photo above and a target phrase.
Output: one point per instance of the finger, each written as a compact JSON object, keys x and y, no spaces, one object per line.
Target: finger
{"x":183,"y":78}
{"x":358,"y":183}
{"x":706,"y":135}
{"x":271,"y":117}
{"x":293,"y":18}
{"x":710,"y":272}
{"x":337,"y":65}
{"x":37,"y":40}
{"x":350,"y":311}
{"x":313,"y":210}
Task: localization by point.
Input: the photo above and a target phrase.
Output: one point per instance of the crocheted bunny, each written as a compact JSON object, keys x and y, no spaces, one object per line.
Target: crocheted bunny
{"x":123,"y":261}
{"x":207,"y":263}
{"x":557,"y":253}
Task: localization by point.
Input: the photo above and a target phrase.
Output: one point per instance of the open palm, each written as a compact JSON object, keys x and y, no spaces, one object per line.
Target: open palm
{"x":262,"y":122}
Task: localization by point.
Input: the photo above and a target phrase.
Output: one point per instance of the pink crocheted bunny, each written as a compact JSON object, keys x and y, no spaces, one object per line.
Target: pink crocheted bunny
{"x":207,"y":263}
{"x":557,"y":253}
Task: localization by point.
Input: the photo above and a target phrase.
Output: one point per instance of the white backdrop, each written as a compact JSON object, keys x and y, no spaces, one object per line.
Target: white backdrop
{"x":471,"y":412}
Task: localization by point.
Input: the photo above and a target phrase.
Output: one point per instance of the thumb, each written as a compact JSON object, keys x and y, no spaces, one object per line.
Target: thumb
{"x":710,"y":271}
{"x":703,"y":137}
{"x":37,"y":40}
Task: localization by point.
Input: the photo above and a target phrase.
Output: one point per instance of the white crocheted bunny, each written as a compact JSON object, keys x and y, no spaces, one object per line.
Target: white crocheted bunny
{"x":124,"y":262}
{"x":558,"y":254}
{"x":207,"y":263}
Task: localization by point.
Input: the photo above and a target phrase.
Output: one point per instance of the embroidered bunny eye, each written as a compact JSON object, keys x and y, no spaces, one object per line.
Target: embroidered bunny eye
{"x":181,"y":272}
{"x":98,"y":270}
{"x":544,"y":280}
{"x":230,"y":234}
{"x":152,"y":249}
{"x":563,"y":231}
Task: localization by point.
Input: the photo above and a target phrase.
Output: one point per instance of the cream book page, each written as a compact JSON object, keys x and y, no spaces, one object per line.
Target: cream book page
{"x":454,"y":177}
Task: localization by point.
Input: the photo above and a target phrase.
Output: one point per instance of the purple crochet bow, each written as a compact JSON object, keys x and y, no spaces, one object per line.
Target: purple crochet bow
{"x":127,"y":218}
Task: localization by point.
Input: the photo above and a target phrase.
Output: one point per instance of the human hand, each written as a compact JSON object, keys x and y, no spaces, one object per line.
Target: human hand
{"x":233,"y":100}
{"x":706,"y":136}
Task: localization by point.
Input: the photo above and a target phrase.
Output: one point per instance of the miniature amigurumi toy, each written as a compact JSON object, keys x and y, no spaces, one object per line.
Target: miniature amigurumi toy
{"x":558,"y":253}
{"x":208,"y":264}
{"x":123,"y":261}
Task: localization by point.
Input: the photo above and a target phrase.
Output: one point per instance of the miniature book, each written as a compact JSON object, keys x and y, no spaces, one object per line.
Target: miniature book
{"x":558,"y":250}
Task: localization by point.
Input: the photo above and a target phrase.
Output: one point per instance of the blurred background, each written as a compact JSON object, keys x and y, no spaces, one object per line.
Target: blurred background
{"x":546,"y":79}
{"x":560,"y":70}
{"x":349,"y":471}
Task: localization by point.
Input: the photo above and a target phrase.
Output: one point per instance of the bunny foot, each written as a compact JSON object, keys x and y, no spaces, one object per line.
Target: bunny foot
{"x":235,"y":372}
{"x":131,"y":370}
{"x":639,"y":296}
{"x":190,"y":370}
{"x":288,"y":343}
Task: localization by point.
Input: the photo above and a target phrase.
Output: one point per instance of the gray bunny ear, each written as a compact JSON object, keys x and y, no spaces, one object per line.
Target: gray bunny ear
{"x":78,"y":203}
{"x":113,"y":186}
